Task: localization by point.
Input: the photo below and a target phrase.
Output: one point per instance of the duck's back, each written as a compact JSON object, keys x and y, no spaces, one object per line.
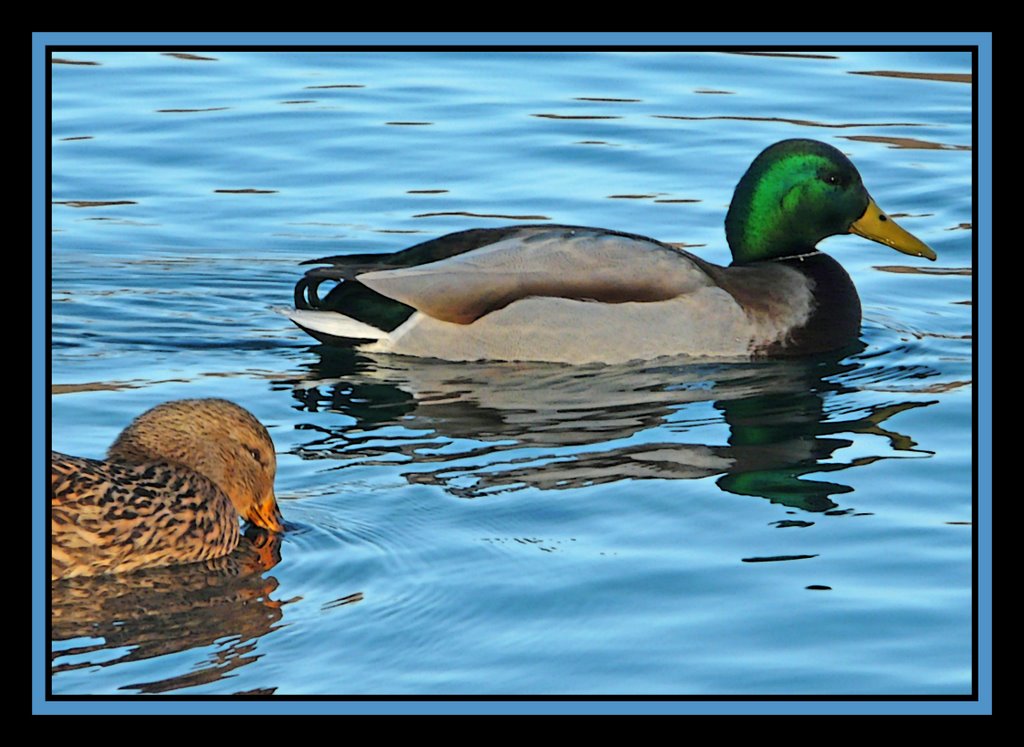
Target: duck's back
{"x":108,"y":517}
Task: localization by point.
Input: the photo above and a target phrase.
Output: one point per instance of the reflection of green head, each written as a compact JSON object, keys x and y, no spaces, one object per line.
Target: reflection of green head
{"x":784,"y":486}
{"x":775,"y":438}
{"x":795,"y":193}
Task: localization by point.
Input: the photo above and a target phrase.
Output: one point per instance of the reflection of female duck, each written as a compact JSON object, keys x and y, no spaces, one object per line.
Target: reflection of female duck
{"x":162,"y":610}
{"x":170,"y":492}
{"x":575,"y":295}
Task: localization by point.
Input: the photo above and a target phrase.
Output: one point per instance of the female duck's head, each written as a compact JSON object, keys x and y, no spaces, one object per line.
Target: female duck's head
{"x":798,"y":192}
{"x":219,"y":440}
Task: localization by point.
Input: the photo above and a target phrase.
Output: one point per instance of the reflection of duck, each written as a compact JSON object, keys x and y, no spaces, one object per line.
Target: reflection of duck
{"x":162,"y":610}
{"x":170,"y":492}
{"x":572,"y":294}
{"x":550,"y":427}
{"x":778,"y":439}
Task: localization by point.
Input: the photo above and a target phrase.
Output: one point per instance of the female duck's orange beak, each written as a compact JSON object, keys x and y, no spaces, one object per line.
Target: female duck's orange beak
{"x":266,"y":515}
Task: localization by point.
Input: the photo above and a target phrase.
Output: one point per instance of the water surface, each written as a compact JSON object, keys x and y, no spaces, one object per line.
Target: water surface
{"x":667,"y":528}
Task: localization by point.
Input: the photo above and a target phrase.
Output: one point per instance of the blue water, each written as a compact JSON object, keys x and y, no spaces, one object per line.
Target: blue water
{"x":463,"y":529}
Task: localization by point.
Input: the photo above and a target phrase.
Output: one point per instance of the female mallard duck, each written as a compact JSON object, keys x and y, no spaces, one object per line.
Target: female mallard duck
{"x":576,"y":295}
{"x":170,"y":491}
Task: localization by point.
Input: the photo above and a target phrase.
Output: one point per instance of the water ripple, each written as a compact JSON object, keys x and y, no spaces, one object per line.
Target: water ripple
{"x":518,"y":529}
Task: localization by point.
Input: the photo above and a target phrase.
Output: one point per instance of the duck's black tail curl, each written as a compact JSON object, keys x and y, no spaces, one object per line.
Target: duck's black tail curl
{"x":307,"y":296}
{"x":350,"y":298}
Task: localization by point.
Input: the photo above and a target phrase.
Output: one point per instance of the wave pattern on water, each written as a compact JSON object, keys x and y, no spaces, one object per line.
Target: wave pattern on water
{"x":517,"y":528}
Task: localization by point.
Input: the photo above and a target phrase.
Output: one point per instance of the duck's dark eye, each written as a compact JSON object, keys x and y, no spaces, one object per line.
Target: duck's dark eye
{"x":255,"y":453}
{"x":832,"y":179}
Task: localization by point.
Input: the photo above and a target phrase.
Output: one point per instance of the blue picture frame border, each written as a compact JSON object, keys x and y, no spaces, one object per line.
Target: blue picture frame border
{"x":983,"y":364}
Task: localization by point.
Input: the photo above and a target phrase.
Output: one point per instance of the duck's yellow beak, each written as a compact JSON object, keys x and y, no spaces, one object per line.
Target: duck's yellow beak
{"x":266,"y":514}
{"x":878,"y":226}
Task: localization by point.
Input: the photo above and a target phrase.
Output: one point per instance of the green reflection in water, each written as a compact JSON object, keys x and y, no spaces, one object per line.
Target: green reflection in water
{"x":777,"y":413}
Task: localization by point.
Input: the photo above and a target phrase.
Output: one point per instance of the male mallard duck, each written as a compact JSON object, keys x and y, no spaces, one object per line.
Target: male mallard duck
{"x":576,"y":295}
{"x":171,"y":491}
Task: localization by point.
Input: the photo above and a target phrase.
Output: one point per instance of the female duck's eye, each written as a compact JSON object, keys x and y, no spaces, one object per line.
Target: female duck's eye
{"x":255,"y":453}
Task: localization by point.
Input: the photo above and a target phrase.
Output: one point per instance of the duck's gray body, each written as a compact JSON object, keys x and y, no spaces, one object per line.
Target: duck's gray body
{"x":572,"y":294}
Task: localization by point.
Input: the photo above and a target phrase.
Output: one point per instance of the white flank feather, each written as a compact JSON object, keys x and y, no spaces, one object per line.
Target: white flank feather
{"x":333,"y":323}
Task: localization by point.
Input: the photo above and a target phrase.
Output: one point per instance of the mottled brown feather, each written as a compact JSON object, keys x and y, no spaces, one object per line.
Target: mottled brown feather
{"x":171,"y":491}
{"x":109,"y":517}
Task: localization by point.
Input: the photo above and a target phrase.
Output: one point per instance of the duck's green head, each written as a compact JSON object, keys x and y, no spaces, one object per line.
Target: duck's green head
{"x":798,"y":192}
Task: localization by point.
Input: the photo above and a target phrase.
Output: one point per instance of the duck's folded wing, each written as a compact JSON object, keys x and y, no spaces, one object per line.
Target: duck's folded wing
{"x":576,"y":263}
{"x":111,"y":517}
{"x":359,"y":302}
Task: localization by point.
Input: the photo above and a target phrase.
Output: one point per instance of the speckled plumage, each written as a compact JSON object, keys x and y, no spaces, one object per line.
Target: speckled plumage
{"x":171,"y":491}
